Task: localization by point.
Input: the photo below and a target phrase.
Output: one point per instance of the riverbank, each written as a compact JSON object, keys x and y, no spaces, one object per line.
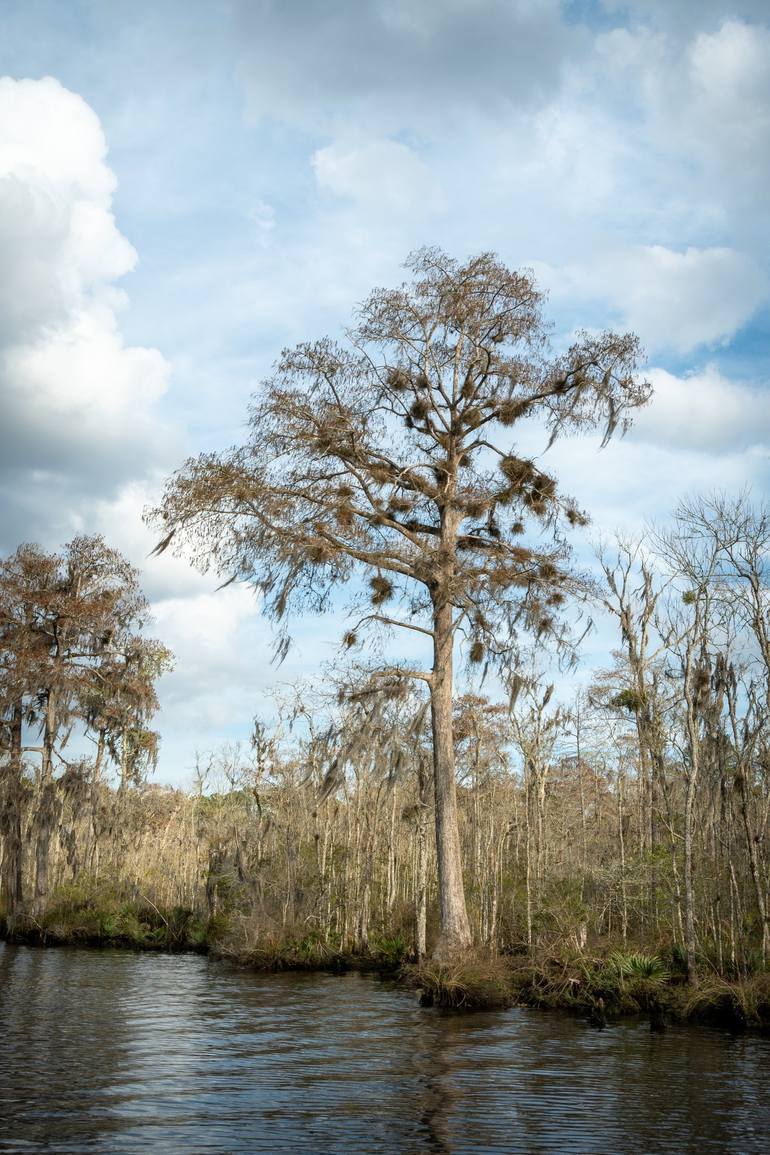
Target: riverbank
{"x":138,"y":926}
{"x":614,"y":986}
{"x":601,"y":989}
{"x":132,"y":926}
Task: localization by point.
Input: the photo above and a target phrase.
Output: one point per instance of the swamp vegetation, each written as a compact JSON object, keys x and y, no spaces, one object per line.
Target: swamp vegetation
{"x":607,"y":852}
{"x":313,"y":847}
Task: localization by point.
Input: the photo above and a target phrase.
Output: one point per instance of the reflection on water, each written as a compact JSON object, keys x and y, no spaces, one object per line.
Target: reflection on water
{"x":115,"y":1052}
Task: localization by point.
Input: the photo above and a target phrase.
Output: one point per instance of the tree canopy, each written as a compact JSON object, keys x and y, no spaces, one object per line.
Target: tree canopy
{"x":73,"y":659}
{"x":359,"y":452}
{"x":390,"y":455}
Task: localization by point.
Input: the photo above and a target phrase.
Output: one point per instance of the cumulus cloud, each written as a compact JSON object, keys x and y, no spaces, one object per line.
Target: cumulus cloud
{"x":697,"y":106}
{"x":704,"y":411}
{"x":673,"y":300}
{"x":76,"y":403}
{"x":58,"y":239}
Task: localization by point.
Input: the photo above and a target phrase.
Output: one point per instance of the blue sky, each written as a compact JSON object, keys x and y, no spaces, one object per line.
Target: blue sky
{"x":185,"y":188}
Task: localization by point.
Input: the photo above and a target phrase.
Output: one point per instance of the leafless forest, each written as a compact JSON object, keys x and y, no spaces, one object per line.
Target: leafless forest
{"x":636,"y":813}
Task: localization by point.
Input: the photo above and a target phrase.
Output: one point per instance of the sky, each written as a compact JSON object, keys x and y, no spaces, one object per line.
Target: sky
{"x":188,"y":187}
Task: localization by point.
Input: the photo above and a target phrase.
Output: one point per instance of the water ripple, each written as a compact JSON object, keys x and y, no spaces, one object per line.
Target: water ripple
{"x":120,"y":1053}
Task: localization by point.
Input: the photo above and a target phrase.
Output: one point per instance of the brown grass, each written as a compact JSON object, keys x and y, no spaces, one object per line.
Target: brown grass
{"x":471,"y":981}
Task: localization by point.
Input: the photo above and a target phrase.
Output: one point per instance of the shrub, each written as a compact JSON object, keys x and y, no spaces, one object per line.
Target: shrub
{"x":471,"y":981}
{"x":389,"y":950}
{"x":675,"y":957}
{"x":636,"y":966}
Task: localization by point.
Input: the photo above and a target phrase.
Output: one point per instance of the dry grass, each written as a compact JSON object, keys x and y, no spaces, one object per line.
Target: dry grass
{"x":471,"y":981}
{"x":741,"y":1003}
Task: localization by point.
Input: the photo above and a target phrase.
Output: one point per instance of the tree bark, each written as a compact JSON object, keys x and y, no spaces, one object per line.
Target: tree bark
{"x":12,"y":802}
{"x":47,"y":808}
{"x":421,"y":889}
{"x":455,"y":933}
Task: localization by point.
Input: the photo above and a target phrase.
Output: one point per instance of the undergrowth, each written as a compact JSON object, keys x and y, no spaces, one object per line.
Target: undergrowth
{"x":471,"y":981}
{"x":617,"y":983}
{"x":104,"y":916}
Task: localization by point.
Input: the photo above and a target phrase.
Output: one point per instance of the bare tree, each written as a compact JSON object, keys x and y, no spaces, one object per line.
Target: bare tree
{"x":535,"y":731}
{"x":388,"y":457}
{"x":735,"y":535}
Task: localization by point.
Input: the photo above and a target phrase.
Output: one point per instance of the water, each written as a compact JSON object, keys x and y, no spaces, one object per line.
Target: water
{"x":116,"y":1052}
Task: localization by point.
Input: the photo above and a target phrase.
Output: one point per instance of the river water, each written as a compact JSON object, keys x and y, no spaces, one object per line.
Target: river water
{"x":107,"y":1051}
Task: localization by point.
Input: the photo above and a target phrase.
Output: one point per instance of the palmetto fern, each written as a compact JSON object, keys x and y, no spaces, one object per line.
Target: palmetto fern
{"x":638,"y":966}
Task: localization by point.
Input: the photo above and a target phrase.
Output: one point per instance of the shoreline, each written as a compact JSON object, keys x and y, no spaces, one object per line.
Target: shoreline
{"x":479,"y":982}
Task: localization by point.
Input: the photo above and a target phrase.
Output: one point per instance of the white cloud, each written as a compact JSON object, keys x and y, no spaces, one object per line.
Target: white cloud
{"x":673,"y":300}
{"x":683,"y":300}
{"x":382,"y":174}
{"x":59,"y":246}
{"x":82,"y":370}
{"x":696,"y":105}
{"x":51,"y":135}
{"x":204,"y":629}
{"x":120,"y":519}
{"x":704,"y":411}
{"x":224,"y":675}
{"x":76,"y":402}
{"x":726,"y":120}
{"x":219,"y":676}
{"x":635,"y":481}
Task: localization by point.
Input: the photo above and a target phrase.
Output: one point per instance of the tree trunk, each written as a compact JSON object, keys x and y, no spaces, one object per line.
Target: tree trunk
{"x":455,"y":933}
{"x":46,"y":818}
{"x":689,"y":887}
{"x":392,"y":874}
{"x":47,"y":809}
{"x":10,"y":818}
{"x":622,"y":848}
{"x":421,"y":889}
{"x":752,"y":843}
